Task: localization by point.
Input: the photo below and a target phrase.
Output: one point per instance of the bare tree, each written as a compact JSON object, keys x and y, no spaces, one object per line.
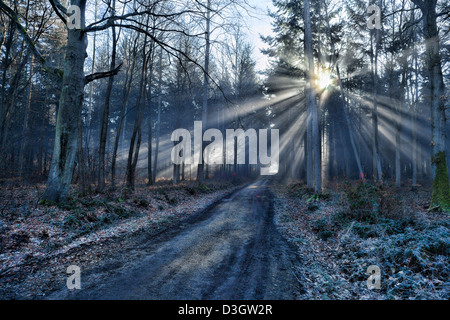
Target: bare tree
{"x":441,"y":190}
{"x":313,"y":123}
{"x":106,"y":106}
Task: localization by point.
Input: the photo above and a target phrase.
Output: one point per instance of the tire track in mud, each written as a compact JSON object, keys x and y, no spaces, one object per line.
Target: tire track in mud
{"x":231,"y":252}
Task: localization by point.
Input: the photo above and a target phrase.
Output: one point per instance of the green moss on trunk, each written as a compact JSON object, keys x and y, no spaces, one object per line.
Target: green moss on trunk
{"x":441,"y":188}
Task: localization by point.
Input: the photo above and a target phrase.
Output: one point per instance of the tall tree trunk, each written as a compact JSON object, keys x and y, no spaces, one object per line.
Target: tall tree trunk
{"x":150,"y":138}
{"x":66,"y":137}
{"x":26,"y":136}
{"x":399,"y":126}
{"x":135,"y":142}
{"x":120,"y":125}
{"x":200,"y":173}
{"x":106,"y":108}
{"x":136,"y":138}
{"x":309,"y":152}
{"x":91,"y":95}
{"x":402,"y":108}
{"x":44,"y":116}
{"x":441,"y":190}
{"x":158,"y":123}
{"x":82,"y":167}
{"x":3,"y":96}
{"x":415,"y":151}
{"x":376,"y":159}
{"x":311,"y":100}
{"x":344,"y":100}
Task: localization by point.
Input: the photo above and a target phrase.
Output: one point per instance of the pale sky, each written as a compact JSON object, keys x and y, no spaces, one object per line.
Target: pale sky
{"x":259,"y":23}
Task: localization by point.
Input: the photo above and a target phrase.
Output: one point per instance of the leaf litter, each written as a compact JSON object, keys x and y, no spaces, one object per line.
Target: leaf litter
{"x":39,"y":240}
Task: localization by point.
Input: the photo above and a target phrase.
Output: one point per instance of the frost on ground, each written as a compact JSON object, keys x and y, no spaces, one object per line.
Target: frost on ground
{"x":338,"y":235}
{"x":37,"y":239}
{"x":357,"y":225}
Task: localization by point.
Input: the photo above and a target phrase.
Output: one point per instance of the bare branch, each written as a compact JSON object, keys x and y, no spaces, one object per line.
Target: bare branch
{"x":58,"y":8}
{"x":101,"y":75}
{"x":108,"y":20}
{"x":31,"y":45}
{"x":401,"y":10}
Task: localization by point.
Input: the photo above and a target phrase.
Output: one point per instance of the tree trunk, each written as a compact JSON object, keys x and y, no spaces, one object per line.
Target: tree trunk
{"x":344,"y":100}
{"x":414,"y":111}
{"x":311,"y":101}
{"x":376,"y":161}
{"x":136,"y":137}
{"x":91,"y":98}
{"x":150,"y":138}
{"x":441,"y":190}
{"x":106,"y":108}
{"x":66,"y":137}
{"x":82,"y":167}
{"x":121,"y":123}
{"x":158,"y":124}
{"x":309,"y":152}
{"x":200,"y":173}
{"x":3,"y":98}
{"x":26,"y":135}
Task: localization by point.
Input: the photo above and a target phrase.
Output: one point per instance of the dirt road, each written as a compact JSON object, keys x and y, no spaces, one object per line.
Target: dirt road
{"x":231,"y":252}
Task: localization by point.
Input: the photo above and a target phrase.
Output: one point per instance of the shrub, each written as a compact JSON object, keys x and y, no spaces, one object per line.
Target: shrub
{"x":313,"y":207}
{"x":368,"y":203}
{"x":393,"y":227}
{"x":366,"y":231}
{"x":191,"y":191}
{"x":120,"y":212}
{"x":141,"y":203}
{"x":203,"y":188}
{"x":299,"y":190}
{"x":324,"y":228}
{"x":78,"y":218}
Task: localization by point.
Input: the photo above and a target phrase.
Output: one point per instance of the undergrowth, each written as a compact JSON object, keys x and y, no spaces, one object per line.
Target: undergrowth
{"x":375,"y":225}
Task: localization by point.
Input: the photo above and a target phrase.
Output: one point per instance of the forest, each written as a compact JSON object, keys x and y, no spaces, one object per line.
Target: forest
{"x":344,"y":129}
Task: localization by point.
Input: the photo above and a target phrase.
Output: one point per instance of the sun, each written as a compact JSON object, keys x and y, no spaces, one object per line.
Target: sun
{"x":324,"y":79}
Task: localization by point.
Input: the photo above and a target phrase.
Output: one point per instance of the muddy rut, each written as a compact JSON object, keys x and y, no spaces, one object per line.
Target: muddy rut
{"x":231,"y":252}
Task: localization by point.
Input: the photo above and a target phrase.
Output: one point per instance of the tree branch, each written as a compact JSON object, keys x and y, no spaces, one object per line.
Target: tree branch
{"x":420,"y":4}
{"x":107,"y":22}
{"x":101,"y":75}
{"x":401,"y":10}
{"x":57,"y":6}
{"x":31,"y":45}
{"x":60,"y":7}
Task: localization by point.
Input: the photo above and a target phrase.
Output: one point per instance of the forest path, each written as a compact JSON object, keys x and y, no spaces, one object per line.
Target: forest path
{"x":231,"y":252}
